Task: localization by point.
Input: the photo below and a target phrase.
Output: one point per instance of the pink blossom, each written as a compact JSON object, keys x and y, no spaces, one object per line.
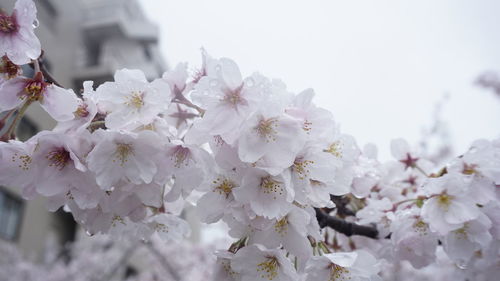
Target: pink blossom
{"x":17,"y":38}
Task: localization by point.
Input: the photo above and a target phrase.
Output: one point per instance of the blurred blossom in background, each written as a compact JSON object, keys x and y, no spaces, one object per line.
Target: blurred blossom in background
{"x":380,"y":66}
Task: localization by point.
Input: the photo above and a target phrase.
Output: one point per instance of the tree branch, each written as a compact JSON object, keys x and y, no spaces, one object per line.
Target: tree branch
{"x":341,"y":203}
{"x":344,"y":227}
{"x":48,"y":76}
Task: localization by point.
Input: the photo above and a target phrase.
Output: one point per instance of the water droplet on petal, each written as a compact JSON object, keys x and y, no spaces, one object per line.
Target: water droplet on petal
{"x":88,"y":233}
{"x":36,"y":23}
{"x":461,"y":263}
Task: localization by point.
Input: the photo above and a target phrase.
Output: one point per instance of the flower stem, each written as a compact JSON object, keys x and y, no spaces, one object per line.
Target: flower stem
{"x":15,"y":122}
{"x":323,"y":247}
{"x":179,"y":98}
{"x":421,"y":170}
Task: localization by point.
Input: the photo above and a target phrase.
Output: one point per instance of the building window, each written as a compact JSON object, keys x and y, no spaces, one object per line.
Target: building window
{"x":10,"y":215}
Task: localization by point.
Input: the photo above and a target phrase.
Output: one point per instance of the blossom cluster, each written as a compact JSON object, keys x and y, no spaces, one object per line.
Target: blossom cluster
{"x":103,"y":257}
{"x":128,"y":155}
{"x":426,"y":211}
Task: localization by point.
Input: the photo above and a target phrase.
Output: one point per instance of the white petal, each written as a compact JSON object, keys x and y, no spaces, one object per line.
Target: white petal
{"x":10,"y":93}
{"x":230,"y":73}
{"x":59,"y":103}
{"x":125,"y":75}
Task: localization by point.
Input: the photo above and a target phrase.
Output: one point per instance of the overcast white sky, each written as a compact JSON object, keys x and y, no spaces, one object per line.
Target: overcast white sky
{"x":379,"y":66}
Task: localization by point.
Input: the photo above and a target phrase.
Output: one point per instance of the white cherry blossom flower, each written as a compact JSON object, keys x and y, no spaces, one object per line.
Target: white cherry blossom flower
{"x":314,"y":173}
{"x":131,"y":100}
{"x":120,"y":156}
{"x":169,"y":227}
{"x":412,"y":239}
{"x":17,"y":37}
{"x":219,"y":197}
{"x":462,"y":243}
{"x":227,"y":98}
{"x":85,"y":112}
{"x":317,"y":122}
{"x":450,"y":205}
{"x":274,"y":140}
{"x":59,"y":167}
{"x":58,"y":102}
{"x":223,"y":270}
{"x":267,"y":195}
{"x":190,"y":165}
{"x":355,"y":266}
{"x":400,"y":149}
{"x":289,"y":231}
{"x":16,"y":158}
{"x":255,"y":262}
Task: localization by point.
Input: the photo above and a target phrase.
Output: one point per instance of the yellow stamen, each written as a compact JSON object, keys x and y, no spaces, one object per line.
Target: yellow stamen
{"x":281,"y":226}
{"x":34,"y":91}
{"x":301,"y":168}
{"x":269,"y":268}
{"x":267,"y":129}
{"x":420,"y":227}
{"x":271,"y":186}
{"x":338,"y":273}
{"x":81,"y":111}
{"x":223,"y":186}
{"x":135,"y":100}
{"x":122,"y":153}
{"x":117,"y":219}
{"x":25,"y":161}
{"x":160,"y":227}
{"x":335,"y":149}
{"x":461,"y":233}
{"x":444,"y":201}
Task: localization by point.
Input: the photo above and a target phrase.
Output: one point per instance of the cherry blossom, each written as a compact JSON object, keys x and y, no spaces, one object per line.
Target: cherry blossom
{"x":119,"y":157}
{"x":256,"y":262}
{"x":131,"y":100}
{"x":450,"y":206}
{"x":17,"y":38}
{"x":300,"y":197}
{"x":357,"y":266}
{"x":58,"y":102}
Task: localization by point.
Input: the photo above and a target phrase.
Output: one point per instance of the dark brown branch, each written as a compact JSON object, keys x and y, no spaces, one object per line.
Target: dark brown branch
{"x":344,"y":227}
{"x":48,"y":76}
{"x":341,"y":203}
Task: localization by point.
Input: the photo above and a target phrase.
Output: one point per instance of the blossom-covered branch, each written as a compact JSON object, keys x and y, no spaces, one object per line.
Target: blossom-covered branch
{"x":127,"y":156}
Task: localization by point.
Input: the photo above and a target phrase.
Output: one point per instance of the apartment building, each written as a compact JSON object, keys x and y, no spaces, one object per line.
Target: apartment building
{"x":82,"y":40}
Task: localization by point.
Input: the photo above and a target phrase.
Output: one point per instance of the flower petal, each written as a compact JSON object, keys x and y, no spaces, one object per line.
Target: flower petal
{"x":59,"y":103}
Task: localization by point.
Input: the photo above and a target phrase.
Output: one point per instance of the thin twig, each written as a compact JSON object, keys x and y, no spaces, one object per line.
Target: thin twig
{"x":180,"y":98}
{"x":49,"y":76}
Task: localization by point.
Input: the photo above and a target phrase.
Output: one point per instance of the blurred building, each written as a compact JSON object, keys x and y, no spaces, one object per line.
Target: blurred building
{"x":82,"y":40}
